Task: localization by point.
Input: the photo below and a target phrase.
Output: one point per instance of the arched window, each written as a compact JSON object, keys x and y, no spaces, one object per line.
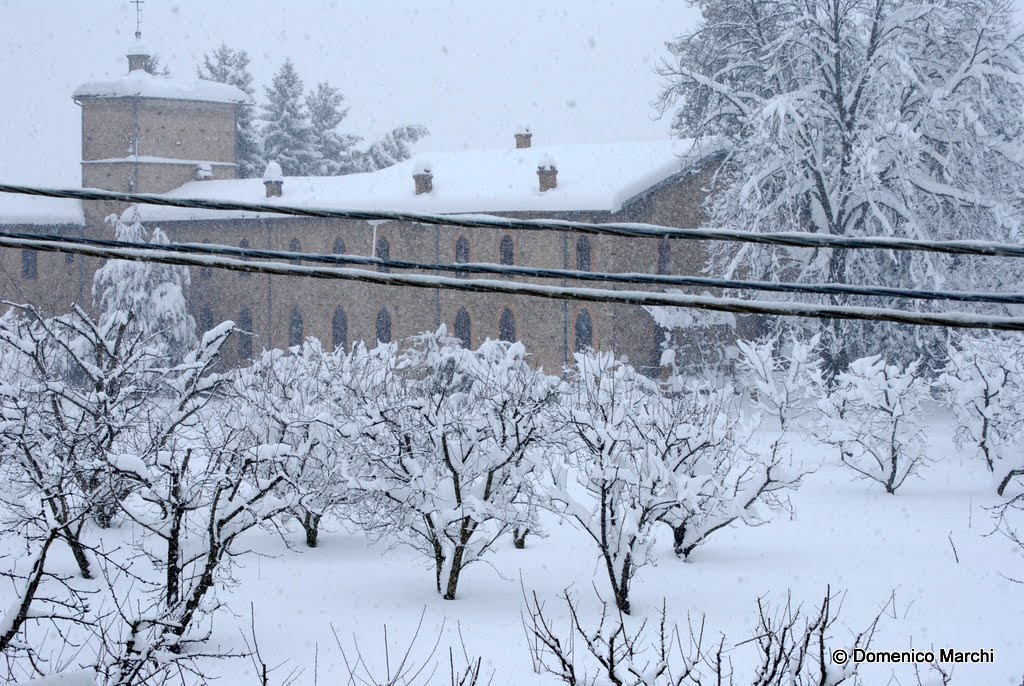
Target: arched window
{"x":205,"y":320}
{"x":583,"y":254}
{"x":664,"y":256}
{"x":294,"y":246}
{"x":295,"y":327}
{"x":464,"y":328}
{"x":339,"y":246}
{"x":245,"y":335}
{"x":383,"y":253}
{"x":29,"y":264}
{"x":339,"y":329}
{"x":461,"y":253}
{"x":384,"y":325}
{"x":507,"y":326}
{"x":69,"y":258}
{"x":506,"y":251}
{"x":244,"y":245}
{"x":584,"y":332}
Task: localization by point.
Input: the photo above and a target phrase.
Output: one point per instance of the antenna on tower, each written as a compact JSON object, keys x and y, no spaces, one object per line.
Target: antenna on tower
{"x":138,"y":17}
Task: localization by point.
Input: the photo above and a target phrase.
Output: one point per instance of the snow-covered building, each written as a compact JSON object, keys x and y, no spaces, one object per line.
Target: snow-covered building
{"x":147,"y":133}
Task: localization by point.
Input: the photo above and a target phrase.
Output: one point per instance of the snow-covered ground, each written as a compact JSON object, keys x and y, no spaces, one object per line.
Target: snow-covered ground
{"x":844,"y":533}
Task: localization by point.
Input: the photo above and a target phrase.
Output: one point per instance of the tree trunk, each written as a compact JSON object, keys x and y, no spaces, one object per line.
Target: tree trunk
{"x":519,"y":537}
{"x":453,"y":574}
{"x":311,"y":525}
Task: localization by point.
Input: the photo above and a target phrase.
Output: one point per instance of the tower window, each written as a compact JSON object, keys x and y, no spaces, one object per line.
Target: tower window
{"x":464,"y":328}
{"x":339,"y":246}
{"x":507,"y":326}
{"x":205,"y":320}
{"x":506,"y":251}
{"x":244,"y":245}
{"x":205,"y":272}
{"x":384,"y":325}
{"x":664,"y":256}
{"x":461,"y":253}
{"x":294,"y":246}
{"x":584,"y":332}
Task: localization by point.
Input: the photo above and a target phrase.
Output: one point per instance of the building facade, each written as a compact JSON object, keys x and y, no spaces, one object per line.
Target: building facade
{"x":142,"y":133}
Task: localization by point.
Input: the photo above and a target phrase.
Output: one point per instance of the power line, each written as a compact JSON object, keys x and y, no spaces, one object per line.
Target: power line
{"x":786,"y":238}
{"x":547,"y":273}
{"x":147,"y":253}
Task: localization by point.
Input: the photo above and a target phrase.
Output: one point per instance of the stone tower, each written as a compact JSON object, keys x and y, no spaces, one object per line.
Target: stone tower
{"x":150,"y":134}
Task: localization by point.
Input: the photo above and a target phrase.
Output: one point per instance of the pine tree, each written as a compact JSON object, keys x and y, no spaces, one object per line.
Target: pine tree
{"x":150,"y":296}
{"x":231,"y":66}
{"x":154,"y":66}
{"x":287,"y":131}
{"x":394,"y":147}
{"x":337,"y":150}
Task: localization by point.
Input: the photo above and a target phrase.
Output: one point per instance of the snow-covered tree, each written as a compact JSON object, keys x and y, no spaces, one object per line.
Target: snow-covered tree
{"x":231,"y":66}
{"x":873,"y":416}
{"x":624,"y":487}
{"x":858,"y":117}
{"x":153,"y":294}
{"x":985,"y":380}
{"x":337,"y":151}
{"x":451,"y":437}
{"x":299,"y":403}
{"x":394,"y":147}
{"x":287,"y":131}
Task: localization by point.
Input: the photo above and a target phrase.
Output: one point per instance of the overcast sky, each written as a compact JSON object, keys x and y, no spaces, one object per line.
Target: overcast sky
{"x":470,"y":70}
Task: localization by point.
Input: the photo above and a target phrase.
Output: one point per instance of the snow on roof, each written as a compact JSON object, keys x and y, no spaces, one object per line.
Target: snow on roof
{"x":140,"y":83}
{"x":273,"y":172}
{"x":596,"y":177}
{"x":31,"y":210}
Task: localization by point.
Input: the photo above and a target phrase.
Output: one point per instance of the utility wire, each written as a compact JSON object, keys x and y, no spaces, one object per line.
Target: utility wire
{"x":786,"y":238}
{"x":147,"y":253}
{"x":547,"y":273}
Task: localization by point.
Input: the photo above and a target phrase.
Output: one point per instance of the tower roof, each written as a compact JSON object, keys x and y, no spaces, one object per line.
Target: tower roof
{"x":141,"y":84}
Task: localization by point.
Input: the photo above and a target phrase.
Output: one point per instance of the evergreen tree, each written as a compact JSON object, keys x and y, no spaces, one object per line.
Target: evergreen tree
{"x":154,"y":66}
{"x":149,"y":296}
{"x":337,"y":150}
{"x":394,"y":147}
{"x":287,"y":131}
{"x":230,"y":66}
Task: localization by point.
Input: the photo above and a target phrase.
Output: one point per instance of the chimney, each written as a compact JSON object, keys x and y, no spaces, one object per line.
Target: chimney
{"x":273,"y":180}
{"x":424,"y":178}
{"x":547,"y":174}
{"x":523,"y":137}
{"x":138,"y":56}
{"x":204,"y":171}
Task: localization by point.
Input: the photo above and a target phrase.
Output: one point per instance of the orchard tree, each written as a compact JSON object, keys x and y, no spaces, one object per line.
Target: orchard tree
{"x":231,"y":66}
{"x":856,"y":118}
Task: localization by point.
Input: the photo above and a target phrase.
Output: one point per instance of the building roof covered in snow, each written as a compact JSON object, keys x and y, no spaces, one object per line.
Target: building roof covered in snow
{"x":35,"y":211}
{"x":140,"y":83}
{"x":591,"y":177}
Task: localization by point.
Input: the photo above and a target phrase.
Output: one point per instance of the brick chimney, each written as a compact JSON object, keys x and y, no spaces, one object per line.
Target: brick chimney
{"x":424,"y":178}
{"x":547,"y":174}
{"x":523,"y":138}
{"x":273,"y":180}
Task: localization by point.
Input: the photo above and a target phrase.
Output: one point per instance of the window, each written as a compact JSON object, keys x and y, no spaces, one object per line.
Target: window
{"x":464,"y":328}
{"x":384,"y":326}
{"x":383,"y":253}
{"x":664,"y":256}
{"x":245,"y":335}
{"x":339,"y":329}
{"x":244,"y":245}
{"x":584,"y":332}
{"x":506,"y":251}
{"x":295,"y":327}
{"x":462,"y":253}
{"x":205,"y":272}
{"x":69,"y":258}
{"x":583,"y":254}
{"x":29,"y":266}
{"x":507,"y":326}
{"x":205,"y":320}
{"x":294,"y":246}
{"x":339,"y":246}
